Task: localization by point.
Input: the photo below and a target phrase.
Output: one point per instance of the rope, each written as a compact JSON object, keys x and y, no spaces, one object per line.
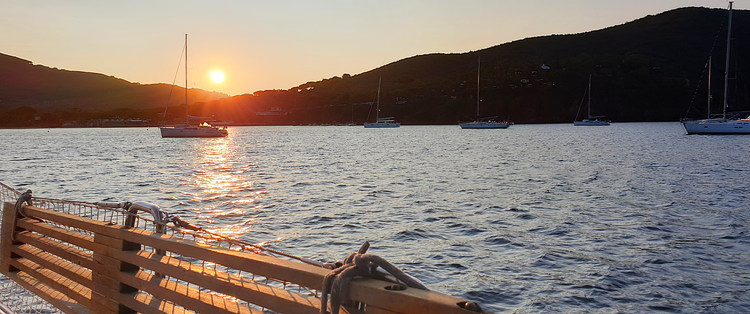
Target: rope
{"x":336,"y":282}
{"x":25,"y":197}
{"x":583,"y":98}
{"x":178,"y":222}
{"x":173,"y":83}
{"x":705,"y":67}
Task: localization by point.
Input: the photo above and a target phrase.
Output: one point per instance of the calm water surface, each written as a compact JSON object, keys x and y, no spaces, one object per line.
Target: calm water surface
{"x":533,"y":219}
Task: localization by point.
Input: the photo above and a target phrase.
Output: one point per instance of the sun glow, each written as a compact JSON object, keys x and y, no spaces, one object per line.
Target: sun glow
{"x":217,"y":76}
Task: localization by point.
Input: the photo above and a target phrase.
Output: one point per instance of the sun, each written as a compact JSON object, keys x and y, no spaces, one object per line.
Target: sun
{"x":217,"y":76}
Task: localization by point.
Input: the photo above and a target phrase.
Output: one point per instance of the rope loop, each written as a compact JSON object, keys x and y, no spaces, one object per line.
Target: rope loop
{"x":25,"y":197}
{"x":336,"y":282}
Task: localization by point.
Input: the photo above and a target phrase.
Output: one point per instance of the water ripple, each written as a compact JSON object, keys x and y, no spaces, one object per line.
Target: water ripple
{"x":533,"y":219}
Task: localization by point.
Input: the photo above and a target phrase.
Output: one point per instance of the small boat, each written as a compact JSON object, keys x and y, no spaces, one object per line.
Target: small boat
{"x":483,"y":123}
{"x":592,"y":120}
{"x":733,"y":124}
{"x":202,"y":130}
{"x":388,"y":122}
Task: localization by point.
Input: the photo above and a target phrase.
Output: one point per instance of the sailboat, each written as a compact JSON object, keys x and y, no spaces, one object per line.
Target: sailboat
{"x":387,"y":122}
{"x":487,"y":122}
{"x":723,"y":125}
{"x":592,"y":120}
{"x":202,"y":130}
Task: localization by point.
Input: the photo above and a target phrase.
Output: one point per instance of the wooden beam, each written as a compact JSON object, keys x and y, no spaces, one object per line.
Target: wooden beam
{"x":52,"y":296}
{"x":60,"y":266}
{"x":267,"y":266}
{"x":67,"y":252}
{"x":190,"y":298}
{"x":73,"y":290}
{"x":280,"y":300}
{"x":148,"y":304}
{"x":72,"y":237}
{"x":6,"y":238}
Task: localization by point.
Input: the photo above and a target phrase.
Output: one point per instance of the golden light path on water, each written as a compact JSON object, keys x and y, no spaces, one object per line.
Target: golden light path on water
{"x":632,"y":218}
{"x":224,"y":188}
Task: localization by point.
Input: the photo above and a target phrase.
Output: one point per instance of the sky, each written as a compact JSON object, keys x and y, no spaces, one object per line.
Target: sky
{"x":280,"y":44}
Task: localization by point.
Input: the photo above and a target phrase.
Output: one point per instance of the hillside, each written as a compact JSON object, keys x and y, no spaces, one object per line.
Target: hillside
{"x":650,"y":69}
{"x":53,"y":91}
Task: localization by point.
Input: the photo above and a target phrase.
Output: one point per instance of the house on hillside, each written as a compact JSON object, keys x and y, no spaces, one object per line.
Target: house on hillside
{"x":275,"y":111}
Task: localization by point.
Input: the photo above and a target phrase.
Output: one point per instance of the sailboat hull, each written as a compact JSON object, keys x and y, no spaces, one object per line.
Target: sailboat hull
{"x":484,"y":125}
{"x":193,"y":132}
{"x":382,"y":125}
{"x":591,"y":123}
{"x":717,"y":126}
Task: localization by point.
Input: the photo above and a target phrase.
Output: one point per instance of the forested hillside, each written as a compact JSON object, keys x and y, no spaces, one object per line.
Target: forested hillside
{"x":650,"y":69}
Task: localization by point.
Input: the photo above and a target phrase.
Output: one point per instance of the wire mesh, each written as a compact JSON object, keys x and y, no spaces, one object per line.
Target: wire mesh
{"x":12,"y":295}
{"x":26,"y":301}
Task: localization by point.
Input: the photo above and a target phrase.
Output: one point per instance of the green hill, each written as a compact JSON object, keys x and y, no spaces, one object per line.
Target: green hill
{"x":650,"y":69}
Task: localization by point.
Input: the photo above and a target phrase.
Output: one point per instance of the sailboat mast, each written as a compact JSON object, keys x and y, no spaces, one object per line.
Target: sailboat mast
{"x":709,"y":88}
{"x":589,"y":96}
{"x":726,"y":66}
{"x":187,"y":117}
{"x":479,"y":68}
{"x":377,"y":112}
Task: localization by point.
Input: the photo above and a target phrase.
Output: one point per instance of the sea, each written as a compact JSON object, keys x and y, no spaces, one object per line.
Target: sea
{"x":629,"y":218}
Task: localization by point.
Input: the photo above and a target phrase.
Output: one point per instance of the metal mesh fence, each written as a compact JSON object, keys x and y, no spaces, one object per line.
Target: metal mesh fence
{"x":13,"y":296}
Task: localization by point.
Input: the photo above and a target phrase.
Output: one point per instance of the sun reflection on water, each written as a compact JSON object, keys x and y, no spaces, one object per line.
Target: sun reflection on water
{"x":222,"y":192}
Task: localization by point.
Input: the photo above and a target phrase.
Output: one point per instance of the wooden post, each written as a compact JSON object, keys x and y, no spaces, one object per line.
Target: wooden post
{"x":8,"y":227}
{"x":106,"y":299}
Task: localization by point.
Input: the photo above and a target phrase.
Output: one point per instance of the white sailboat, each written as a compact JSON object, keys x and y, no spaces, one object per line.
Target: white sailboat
{"x":591,"y":120}
{"x":387,"y":122}
{"x":723,"y":125}
{"x":202,"y":130}
{"x":483,"y":123}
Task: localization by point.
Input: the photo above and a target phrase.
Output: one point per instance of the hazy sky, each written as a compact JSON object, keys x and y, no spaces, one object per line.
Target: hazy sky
{"x":279,"y":44}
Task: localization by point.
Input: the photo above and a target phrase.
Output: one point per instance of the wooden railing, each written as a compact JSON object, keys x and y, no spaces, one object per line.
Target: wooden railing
{"x":82,"y":265}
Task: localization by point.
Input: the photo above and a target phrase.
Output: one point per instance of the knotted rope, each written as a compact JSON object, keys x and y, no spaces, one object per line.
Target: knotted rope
{"x":357,"y":264}
{"x":25,"y":197}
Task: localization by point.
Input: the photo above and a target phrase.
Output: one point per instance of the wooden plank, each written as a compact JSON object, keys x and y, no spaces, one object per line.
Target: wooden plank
{"x":70,"y":288}
{"x":375,"y":310}
{"x":409,"y":301}
{"x":53,"y":297}
{"x":107,"y":286}
{"x":114,"y":288}
{"x":182,"y":295}
{"x":72,"y":237}
{"x":69,"y":253}
{"x":147,"y":304}
{"x":6,"y":237}
{"x":269,"y":297}
{"x":267,"y":266}
{"x":278,"y":299}
{"x":67,"y":269}
{"x":143,"y":302}
{"x":60,"y":266}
